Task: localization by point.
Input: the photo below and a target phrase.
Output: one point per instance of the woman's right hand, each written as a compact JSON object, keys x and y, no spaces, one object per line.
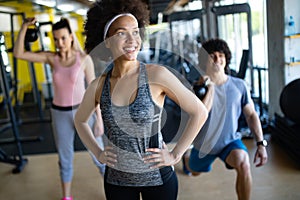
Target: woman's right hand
{"x":108,"y":157}
{"x":29,"y":21}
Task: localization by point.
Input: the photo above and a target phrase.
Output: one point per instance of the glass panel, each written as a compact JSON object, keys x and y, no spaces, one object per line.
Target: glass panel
{"x":233,"y":29}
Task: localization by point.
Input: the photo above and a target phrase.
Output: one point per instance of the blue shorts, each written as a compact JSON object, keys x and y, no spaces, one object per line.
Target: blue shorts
{"x":204,"y":164}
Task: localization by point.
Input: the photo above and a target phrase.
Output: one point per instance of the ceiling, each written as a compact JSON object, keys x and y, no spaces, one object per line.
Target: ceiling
{"x":81,"y":6}
{"x":157,"y":6}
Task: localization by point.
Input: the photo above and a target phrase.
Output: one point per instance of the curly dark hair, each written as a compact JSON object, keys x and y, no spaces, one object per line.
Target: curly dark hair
{"x":213,"y":45}
{"x":104,"y":10}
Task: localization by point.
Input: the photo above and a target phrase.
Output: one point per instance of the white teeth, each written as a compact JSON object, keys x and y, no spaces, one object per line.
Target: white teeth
{"x":130,"y":49}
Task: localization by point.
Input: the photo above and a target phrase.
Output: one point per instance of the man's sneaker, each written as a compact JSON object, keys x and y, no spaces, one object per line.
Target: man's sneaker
{"x":184,"y":168}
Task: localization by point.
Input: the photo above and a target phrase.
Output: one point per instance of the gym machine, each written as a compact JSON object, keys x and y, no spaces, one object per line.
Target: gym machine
{"x":31,"y":36}
{"x":13,"y":117}
{"x":18,"y":159}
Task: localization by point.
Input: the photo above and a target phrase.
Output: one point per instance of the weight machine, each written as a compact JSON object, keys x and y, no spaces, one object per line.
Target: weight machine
{"x":18,"y":159}
{"x":13,"y":120}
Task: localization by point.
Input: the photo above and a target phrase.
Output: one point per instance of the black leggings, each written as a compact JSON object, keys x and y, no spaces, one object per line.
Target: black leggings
{"x":167,"y":191}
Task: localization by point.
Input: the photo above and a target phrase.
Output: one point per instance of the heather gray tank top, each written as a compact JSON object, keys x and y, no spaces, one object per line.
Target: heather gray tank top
{"x":130,"y":130}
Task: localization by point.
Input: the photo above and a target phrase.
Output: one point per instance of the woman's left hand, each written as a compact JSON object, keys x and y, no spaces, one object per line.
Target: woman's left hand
{"x":160,"y":157}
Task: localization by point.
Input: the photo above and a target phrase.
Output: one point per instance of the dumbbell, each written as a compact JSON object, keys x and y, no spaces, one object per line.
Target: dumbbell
{"x":200,"y":90}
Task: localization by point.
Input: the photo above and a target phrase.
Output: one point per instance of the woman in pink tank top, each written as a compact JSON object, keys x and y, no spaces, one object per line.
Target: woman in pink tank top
{"x":71,"y":67}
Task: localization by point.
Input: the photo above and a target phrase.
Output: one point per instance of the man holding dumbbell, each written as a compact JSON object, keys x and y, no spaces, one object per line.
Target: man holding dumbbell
{"x":226,"y":98}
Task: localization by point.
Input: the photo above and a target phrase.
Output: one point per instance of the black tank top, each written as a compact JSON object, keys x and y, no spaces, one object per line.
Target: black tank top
{"x":130,"y":130}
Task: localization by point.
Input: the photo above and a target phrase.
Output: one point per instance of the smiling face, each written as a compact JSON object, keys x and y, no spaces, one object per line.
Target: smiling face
{"x":216,"y":62}
{"x":124,"y":39}
{"x":63,"y":39}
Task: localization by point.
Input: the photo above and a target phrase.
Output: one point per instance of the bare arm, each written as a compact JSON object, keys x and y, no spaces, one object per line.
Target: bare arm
{"x":90,"y":76}
{"x":99,"y":127}
{"x":88,"y":66}
{"x":196,"y":110}
{"x":209,"y":96}
{"x":85,"y":110}
{"x":253,"y":121}
{"x":19,"y":49}
{"x":254,"y":124}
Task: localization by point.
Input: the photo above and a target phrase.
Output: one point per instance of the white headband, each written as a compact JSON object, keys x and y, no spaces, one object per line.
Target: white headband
{"x":108,"y":24}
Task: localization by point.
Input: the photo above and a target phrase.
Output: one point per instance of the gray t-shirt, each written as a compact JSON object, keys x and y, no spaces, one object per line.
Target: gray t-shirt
{"x":220,"y":129}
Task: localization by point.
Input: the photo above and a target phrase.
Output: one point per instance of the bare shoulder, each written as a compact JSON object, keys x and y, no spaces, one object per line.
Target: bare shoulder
{"x":49,"y":56}
{"x":99,"y":81}
{"x":166,"y":75}
{"x":83,"y":55}
{"x":156,"y":70}
{"x":85,"y":58}
{"x":155,"y":67}
{"x":101,"y":78}
{"x":98,"y":85}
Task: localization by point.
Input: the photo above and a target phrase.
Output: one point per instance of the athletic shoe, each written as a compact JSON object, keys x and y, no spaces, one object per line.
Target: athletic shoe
{"x":184,"y":168}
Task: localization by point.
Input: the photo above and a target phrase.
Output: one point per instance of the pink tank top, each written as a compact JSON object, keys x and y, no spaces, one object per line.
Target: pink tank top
{"x":68,"y":83}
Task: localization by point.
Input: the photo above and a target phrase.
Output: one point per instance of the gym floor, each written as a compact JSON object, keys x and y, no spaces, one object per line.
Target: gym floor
{"x":278,"y":180}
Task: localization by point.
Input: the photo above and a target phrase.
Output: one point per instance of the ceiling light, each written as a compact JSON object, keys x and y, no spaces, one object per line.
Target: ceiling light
{"x":65,"y":7}
{"x":48,"y":3}
{"x":81,"y":11}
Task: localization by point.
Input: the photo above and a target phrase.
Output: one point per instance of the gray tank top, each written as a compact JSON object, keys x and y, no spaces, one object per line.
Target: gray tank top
{"x":130,"y":130}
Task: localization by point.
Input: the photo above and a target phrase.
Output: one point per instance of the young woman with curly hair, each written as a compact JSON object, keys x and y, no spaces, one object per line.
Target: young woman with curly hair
{"x":131,"y":95}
